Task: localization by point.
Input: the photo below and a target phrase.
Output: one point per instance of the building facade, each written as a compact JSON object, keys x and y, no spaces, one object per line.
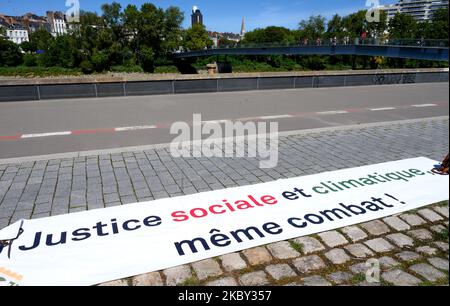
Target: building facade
{"x":14,"y":28}
{"x":421,"y":10}
{"x":57,"y":22}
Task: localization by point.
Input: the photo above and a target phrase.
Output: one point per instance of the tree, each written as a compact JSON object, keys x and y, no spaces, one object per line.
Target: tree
{"x":439,"y":25}
{"x":196,"y":38}
{"x":312,"y":28}
{"x":90,"y":18}
{"x":402,"y":26}
{"x":269,"y":35}
{"x":40,"y":40}
{"x":112,"y":18}
{"x":335,"y":27}
{"x":355,"y":24}
{"x":10,"y":54}
{"x":172,"y":32}
{"x":378,"y":29}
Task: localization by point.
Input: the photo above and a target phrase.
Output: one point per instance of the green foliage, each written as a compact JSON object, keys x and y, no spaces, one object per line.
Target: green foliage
{"x":40,"y":40}
{"x":30,"y":60}
{"x":128,"y":69}
{"x":312,"y":28}
{"x":10,"y":54}
{"x":196,"y":38}
{"x":403,"y":26}
{"x":270,"y":35}
{"x":87,"y":67}
{"x":141,"y":39}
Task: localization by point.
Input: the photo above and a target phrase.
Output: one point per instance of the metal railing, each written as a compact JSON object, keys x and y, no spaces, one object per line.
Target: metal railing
{"x":436,"y":43}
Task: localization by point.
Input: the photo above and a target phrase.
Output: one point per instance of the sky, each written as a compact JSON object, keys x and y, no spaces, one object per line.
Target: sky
{"x":219,"y":15}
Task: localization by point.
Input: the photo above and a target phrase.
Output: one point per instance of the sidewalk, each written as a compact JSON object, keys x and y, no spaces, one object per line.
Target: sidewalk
{"x":417,"y":255}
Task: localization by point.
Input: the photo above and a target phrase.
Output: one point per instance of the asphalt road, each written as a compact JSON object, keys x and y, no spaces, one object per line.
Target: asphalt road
{"x":60,"y":126}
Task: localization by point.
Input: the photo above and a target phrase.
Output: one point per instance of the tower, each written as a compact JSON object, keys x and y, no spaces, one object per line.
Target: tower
{"x":243,"y":31}
{"x":196,"y":17}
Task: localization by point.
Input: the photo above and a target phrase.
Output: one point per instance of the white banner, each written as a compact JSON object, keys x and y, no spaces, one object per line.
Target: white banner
{"x":96,"y":246}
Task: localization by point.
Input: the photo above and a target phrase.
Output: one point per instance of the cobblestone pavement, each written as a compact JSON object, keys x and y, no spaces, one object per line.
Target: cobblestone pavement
{"x":412,"y":248}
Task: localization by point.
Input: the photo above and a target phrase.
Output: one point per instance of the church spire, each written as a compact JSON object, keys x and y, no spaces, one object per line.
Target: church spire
{"x":243,"y":27}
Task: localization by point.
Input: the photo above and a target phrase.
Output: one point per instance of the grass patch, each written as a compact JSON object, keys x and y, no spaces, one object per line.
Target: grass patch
{"x":297,"y":246}
{"x":358,"y":278}
{"x":190,"y":282}
{"x":439,"y":282}
{"x":442,"y":204}
{"x":442,"y":236}
{"x":31,"y":72}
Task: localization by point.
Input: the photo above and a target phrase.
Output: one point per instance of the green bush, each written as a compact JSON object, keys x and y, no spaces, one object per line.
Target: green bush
{"x":30,"y":60}
{"x":86,"y":67}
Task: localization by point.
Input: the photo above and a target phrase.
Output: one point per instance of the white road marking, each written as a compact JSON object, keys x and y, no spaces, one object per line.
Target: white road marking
{"x":424,"y":105}
{"x":135,"y":128}
{"x":46,"y":134}
{"x":275,"y":117}
{"x":382,"y":109}
{"x":332,"y":113}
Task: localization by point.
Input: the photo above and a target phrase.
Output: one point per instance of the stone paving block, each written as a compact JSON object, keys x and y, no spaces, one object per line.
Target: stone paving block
{"x":408,"y":256}
{"x":354,"y":233}
{"x":282,"y":250}
{"x":333,"y":239}
{"x":413,"y":219}
{"x":207,"y":268}
{"x":233,"y":262}
{"x":337,"y":256}
{"x":375,"y":227}
{"x":177,"y":275}
{"x":439,"y":263}
{"x":401,"y":240}
{"x":257,"y":256}
{"x":315,"y":280}
{"x":443,"y":246}
{"x":280,"y":271}
{"x":442,"y":210}
{"x":359,"y":268}
{"x":309,"y":245}
{"x":149,"y":279}
{"x":428,"y":272}
{"x":223,"y":282}
{"x":427,"y":250}
{"x":339,"y":277}
{"x":116,"y":283}
{"x":40,"y":215}
{"x":421,"y":234}
{"x":387,"y":262}
{"x":400,"y":278}
{"x":379,"y":245}
{"x":258,"y":278}
{"x":438,"y":228}
{"x":309,"y":263}
{"x":18,"y":215}
{"x":396,"y":223}
{"x":359,"y":250}
{"x":430,"y":215}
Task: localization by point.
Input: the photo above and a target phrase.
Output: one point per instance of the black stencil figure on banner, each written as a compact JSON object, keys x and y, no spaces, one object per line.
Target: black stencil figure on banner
{"x":8,"y":243}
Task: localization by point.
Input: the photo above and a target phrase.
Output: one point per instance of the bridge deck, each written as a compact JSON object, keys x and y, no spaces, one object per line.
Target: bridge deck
{"x":410,"y":52}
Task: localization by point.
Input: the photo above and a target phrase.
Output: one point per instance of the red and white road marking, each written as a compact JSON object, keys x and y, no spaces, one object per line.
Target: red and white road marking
{"x":220,"y":121}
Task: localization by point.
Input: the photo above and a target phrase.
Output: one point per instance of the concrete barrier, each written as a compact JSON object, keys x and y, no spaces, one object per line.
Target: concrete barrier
{"x":31,"y":92}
